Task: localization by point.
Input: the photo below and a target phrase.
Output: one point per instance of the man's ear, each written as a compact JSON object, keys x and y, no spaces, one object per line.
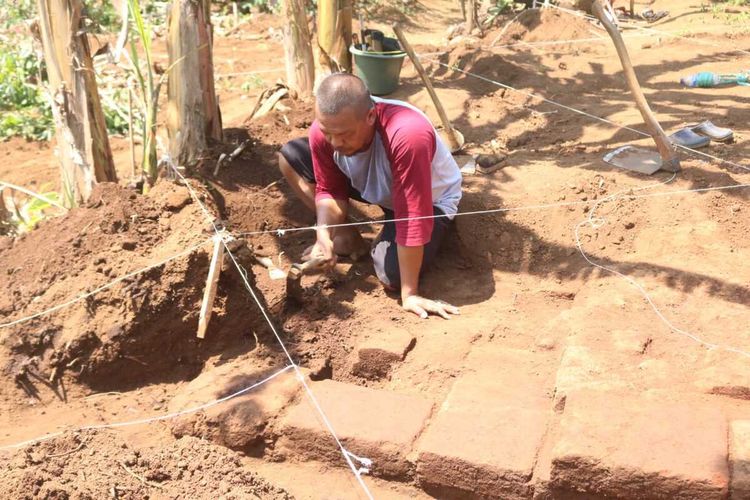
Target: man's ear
{"x":371,"y":116}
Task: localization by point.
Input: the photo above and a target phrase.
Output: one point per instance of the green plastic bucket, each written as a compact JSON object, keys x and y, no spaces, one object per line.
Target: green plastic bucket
{"x":379,"y":70}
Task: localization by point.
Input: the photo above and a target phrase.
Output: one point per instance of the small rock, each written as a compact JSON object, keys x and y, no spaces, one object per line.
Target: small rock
{"x":546,"y":343}
{"x":176,"y":200}
{"x":128,"y":244}
{"x":629,"y":224}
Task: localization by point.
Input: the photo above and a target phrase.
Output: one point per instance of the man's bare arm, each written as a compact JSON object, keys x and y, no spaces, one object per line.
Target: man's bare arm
{"x":329,"y":212}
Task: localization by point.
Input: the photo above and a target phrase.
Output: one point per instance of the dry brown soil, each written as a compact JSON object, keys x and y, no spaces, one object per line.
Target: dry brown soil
{"x":518,"y":276}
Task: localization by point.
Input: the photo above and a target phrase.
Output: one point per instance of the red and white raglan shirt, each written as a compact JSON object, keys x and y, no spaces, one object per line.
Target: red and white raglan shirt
{"x":407,"y":169}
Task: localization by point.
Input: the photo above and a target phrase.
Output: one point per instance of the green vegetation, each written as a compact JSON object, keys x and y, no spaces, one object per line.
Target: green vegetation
{"x":24,"y":104}
{"x":497,"y":8}
{"x":24,"y":108}
{"x":149,"y":88}
{"x":34,"y":209}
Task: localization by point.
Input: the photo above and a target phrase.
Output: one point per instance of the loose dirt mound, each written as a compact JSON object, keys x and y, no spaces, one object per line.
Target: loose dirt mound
{"x":119,"y":336}
{"x":543,"y":25}
{"x":102,"y":465}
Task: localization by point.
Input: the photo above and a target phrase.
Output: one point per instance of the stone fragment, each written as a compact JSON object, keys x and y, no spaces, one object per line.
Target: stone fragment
{"x":739,"y":458}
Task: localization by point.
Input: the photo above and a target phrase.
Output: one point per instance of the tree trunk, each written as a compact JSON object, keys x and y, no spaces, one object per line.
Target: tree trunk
{"x":83,"y":145}
{"x":300,"y":67}
{"x":334,"y":36}
{"x":193,"y":115}
{"x":471,"y":16}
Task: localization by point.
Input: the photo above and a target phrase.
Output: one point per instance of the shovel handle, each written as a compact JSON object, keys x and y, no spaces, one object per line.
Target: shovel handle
{"x":451,"y":136}
{"x":666,"y":150}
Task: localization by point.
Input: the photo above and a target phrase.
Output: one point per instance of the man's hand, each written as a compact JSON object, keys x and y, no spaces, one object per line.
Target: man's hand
{"x":424,"y":307}
{"x":323,"y":249}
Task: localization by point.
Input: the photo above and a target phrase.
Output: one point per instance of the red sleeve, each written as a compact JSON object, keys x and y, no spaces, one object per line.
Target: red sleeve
{"x":330,"y":182}
{"x":412,"y":148}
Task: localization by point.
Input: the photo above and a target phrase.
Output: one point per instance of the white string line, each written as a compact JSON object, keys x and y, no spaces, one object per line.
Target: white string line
{"x":348,"y":456}
{"x":283,"y":231}
{"x":646,"y":28}
{"x":104,"y":287}
{"x":599,"y":39}
{"x":598,"y":222}
{"x":149,"y":420}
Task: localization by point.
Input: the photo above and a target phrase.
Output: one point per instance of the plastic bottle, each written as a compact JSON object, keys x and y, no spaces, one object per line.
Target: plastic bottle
{"x":704,"y":79}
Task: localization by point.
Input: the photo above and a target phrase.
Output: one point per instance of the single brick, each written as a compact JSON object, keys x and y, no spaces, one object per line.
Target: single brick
{"x":626,"y":446}
{"x":371,"y":423}
{"x":484,"y":440}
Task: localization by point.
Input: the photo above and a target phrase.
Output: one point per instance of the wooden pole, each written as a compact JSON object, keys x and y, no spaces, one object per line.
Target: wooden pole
{"x":193,"y":116}
{"x":670,"y":162}
{"x":300,"y":67}
{"x":212,"y":283}
{"x":453,"y":140}
{"x":471,"y":16}
{"x":82,"y":142}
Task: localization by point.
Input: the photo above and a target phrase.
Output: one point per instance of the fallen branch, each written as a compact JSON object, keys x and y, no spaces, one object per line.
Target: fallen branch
{"x":267,"y":100}
{"x":58,"y":455}
{"x":140,"y":478}
{"x":231,"y":156}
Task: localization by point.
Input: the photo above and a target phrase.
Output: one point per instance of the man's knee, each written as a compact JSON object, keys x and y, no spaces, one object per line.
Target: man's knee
{"x":385,"y":261}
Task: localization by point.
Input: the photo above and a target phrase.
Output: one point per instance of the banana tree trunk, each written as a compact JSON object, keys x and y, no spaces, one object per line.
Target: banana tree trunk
{"x":193,"y":116}
{"x":300,"y":67}
{"x":82,"y":142}
{"x":334,"y":36}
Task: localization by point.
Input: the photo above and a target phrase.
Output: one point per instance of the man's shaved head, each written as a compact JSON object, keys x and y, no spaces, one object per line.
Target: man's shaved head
{"x":340,"y":91}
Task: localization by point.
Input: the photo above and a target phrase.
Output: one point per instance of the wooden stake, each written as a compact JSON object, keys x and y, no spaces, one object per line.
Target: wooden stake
{"x":453,"y":140}
{"x":670,"y":162}
{"x":212,"y":283}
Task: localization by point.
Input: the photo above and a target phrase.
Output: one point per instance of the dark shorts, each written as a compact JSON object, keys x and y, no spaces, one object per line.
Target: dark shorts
{"x":385,"y":250}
